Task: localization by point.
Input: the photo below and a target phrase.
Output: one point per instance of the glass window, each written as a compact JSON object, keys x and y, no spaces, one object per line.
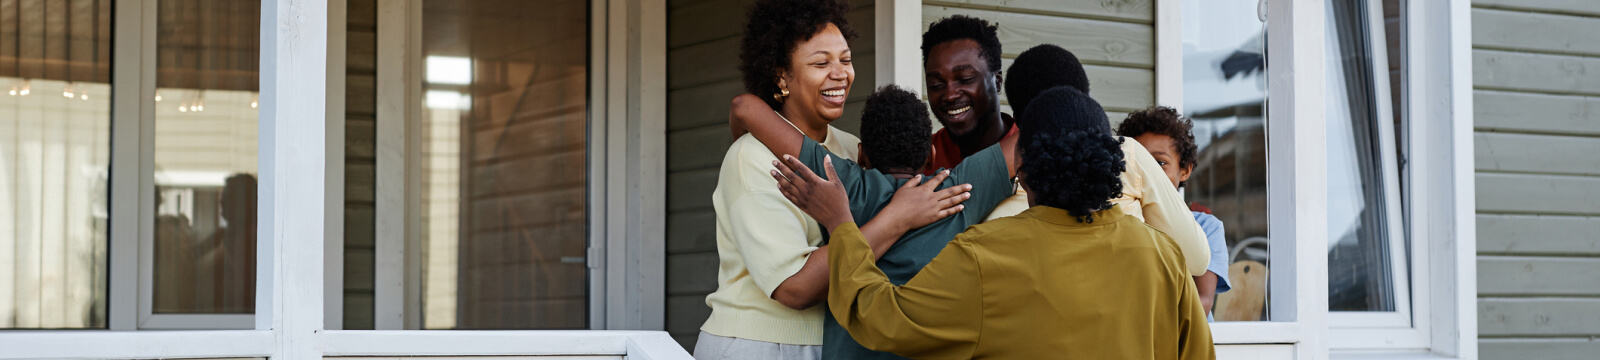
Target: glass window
{"x":504,"y":164}
{"x":1225,"y":92}
{"x":55,"y":148}
{"x":1365,"y":250}
{"x":205,"y":156}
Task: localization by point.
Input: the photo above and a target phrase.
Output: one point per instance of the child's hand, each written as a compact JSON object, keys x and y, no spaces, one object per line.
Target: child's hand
{"x":918,"y":203}
{"x":824,"y":200}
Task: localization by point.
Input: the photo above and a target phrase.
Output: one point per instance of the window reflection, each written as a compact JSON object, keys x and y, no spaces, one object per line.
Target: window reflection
{"x":55,"y":138}
{"x":1361,"y":250}
{"x":1224,"y":89}
{"x":205,"y":156}
{"x":504,"y":166}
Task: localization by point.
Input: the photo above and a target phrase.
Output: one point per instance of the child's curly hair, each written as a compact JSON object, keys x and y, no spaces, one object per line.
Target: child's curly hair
{"x":895,"y":130}
{"x":1162,"y":120}
{"x":1067,"y":165}
{"x":773,"y":29}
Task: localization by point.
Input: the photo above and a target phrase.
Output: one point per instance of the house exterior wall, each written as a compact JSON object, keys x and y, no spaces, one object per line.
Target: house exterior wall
{"x":1115,"y":41}
{"x":1536,"y":81}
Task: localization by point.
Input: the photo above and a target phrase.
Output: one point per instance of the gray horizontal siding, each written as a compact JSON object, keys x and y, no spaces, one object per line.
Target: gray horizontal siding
{"x":1536,"y":79}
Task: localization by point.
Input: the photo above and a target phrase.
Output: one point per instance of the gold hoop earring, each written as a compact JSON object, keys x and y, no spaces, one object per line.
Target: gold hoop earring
{"x":782,"y":93}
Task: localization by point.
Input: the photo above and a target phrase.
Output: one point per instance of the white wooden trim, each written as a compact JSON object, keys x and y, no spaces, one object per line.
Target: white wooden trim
{"x":389,"y":259}
{"x":135,"y":345}
{"x":413,"y":124}
{"x":1365,"y":324}
{"x":481,"y":343}
{"x":1169,"y":54}
{"x":294,"y":72}
{"x":333,"y":221}
{"x":1297,"y":170}
{"x":1262,"y":332}
{"x":598,"y":140}
{"x":899,"y":43}
{"x":1461,"y":339}
{"x":647,"y":245}
{"x":126,"y":127}
{"x":146,"y":38}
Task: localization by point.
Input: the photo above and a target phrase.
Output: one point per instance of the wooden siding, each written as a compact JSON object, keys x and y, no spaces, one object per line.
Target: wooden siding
{"x":1114,"y":40}
{"x":702,"y":76}
{"x":1536,"y":76}
{"x":360,"y":161}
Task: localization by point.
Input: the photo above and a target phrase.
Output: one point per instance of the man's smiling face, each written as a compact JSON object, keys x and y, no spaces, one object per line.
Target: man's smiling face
{"x":962,"y":92}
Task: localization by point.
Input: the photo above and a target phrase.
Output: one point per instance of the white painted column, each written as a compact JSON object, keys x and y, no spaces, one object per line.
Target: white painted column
{"x":393,"y":221}
{"x":293,"y":163}
{"x":899,"y":45}
{"x":1169,"y":54}
{"x":1297,"y":176}
{"x":126,"y":158}
{"x":333,"y":219}
{"x":647,"y":175}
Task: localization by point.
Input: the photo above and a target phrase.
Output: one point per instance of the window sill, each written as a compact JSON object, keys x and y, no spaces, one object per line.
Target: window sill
{"x":1385,"y":355}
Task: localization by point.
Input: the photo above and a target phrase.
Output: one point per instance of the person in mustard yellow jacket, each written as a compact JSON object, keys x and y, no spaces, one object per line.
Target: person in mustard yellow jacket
{"x":1071,"y":277}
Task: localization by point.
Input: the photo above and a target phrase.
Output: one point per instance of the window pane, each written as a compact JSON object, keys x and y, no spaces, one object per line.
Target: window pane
{"x":55,"y":138}
{"x":205,"y":156}
{"x":504,"y":164}
{"x":1224,"y":91}
{"x":1361,"y":275}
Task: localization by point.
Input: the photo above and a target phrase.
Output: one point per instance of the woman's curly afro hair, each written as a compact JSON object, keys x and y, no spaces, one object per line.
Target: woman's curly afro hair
{"x":895,"y":130}
{"x":1067,"y":162}
{"x":773,"y":29}
{"x":1041,"y":68}
{"x":958,"y":27}
{"x":1162,"y":120}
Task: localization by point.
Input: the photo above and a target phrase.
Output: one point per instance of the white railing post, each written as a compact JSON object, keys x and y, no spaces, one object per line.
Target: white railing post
{"x":293,"y":164}
{"x":1297,"y":176}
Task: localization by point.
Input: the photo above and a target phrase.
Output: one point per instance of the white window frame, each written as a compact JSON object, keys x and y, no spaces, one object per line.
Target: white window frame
{"x":297,"y":204}
{"x":1396,"y":327}
{"x":1442,"y":318}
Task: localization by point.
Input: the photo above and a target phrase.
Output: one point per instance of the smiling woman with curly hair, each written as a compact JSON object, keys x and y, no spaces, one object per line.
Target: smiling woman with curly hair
{"x":1073,"y":277}
{"x":796,"y":62}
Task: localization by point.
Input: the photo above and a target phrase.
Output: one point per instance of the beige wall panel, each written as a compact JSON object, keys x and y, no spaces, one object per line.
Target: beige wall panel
{"x":1557,"y":74}
{"x":1539,"y":317}
{"x":1539,"y":234}
{"x":1534,"y":194}
{"x":1140,"y":11}
{"x":1093,"y":41}
{"x":1544,"y":276}
{"x":1545,"y":154}
{"x":1577,"y":7}
{"x":1537,"y":113}
{"x":1548,"y":33}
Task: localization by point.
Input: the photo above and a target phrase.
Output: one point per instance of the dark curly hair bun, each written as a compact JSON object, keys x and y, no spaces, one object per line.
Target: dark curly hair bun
{"x":1167,"y":121}
{"x":1041,"y":68}
{"x":773,"y":29}
{"x":1067,"y":162}
{"x":958,"y":27}
{"x":895,"y":130}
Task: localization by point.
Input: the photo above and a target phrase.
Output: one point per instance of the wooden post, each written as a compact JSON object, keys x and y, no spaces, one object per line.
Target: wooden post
{"x":293,"y":163}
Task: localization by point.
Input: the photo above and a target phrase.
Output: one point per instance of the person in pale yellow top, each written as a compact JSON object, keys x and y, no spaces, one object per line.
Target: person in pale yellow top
{"x":1146,"y":195}
{"x":1071,"y":278}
